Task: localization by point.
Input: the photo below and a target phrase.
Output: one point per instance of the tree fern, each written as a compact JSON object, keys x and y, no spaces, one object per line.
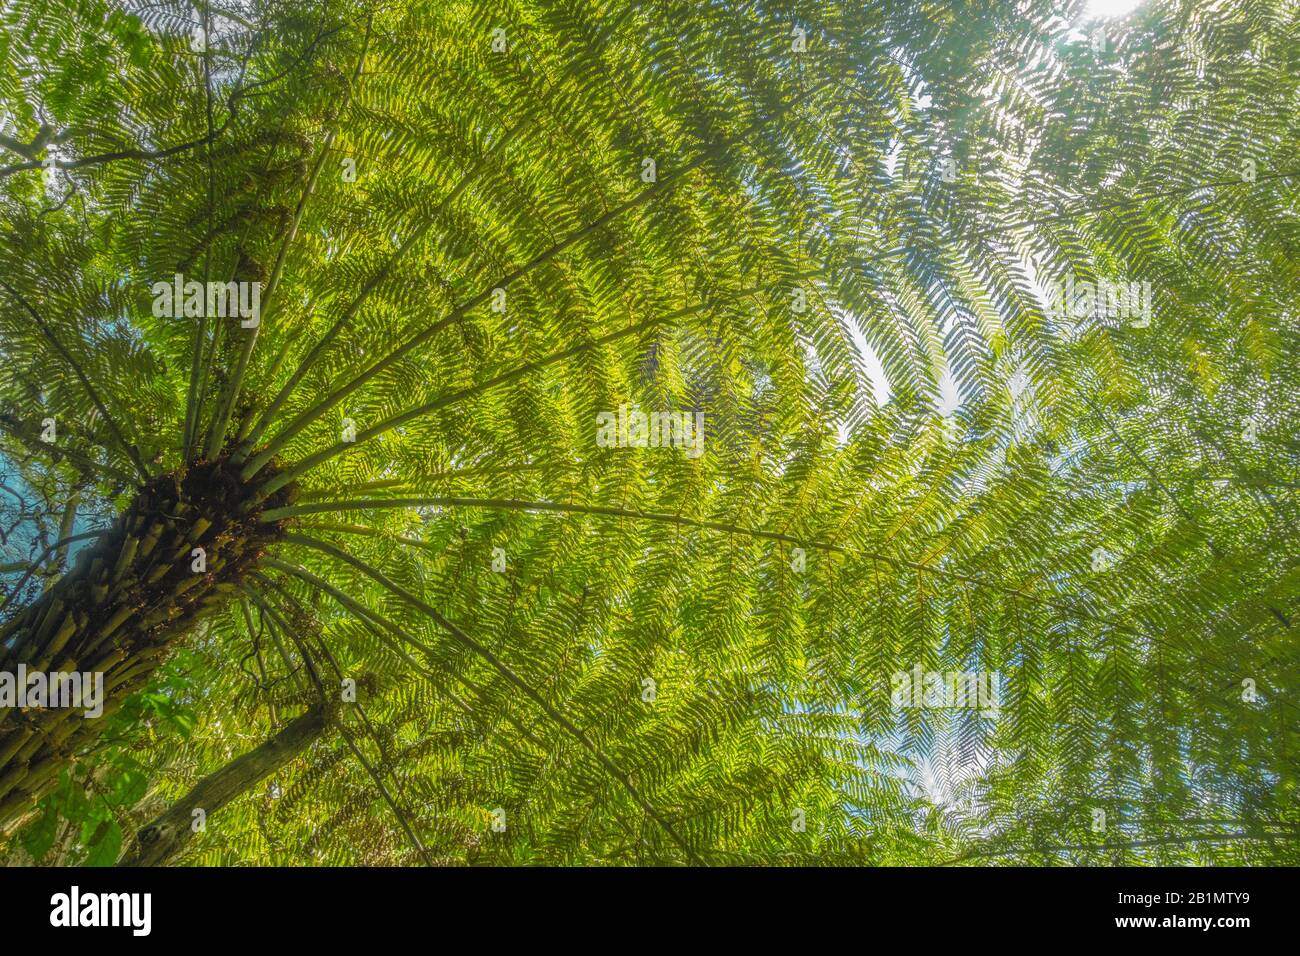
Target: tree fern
{"x":834,"y":234}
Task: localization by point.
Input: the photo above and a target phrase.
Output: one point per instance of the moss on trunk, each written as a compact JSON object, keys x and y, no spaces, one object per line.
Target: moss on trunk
{"x":162,"y":839}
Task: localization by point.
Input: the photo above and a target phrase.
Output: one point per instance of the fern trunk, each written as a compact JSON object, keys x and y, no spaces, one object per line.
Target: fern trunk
{"x":121,"y":609}
{"x":162,"y":839}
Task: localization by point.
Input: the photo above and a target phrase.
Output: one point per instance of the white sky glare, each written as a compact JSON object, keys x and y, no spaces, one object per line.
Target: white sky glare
{"x":1112,"y":8}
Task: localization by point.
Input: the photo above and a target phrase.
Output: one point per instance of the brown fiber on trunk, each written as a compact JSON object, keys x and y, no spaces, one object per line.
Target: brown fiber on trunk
{"x":120,"y":610}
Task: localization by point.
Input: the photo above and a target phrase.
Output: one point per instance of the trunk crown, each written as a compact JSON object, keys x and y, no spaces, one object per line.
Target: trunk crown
{"x":178,"y":551}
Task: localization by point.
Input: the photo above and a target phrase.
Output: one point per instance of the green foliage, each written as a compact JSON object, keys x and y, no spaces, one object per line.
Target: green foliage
{"x":1104,"y":515}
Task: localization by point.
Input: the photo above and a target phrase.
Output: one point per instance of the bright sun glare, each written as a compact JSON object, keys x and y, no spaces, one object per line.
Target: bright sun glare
{"x":1111,"y":8}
